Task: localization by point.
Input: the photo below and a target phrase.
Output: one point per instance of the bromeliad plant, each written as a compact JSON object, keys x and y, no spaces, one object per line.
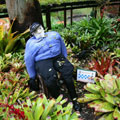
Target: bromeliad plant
{"x":11,"y":112}
{"x":104,"y":63}
{"x":8,"y":39}
{"x":11,"y":92}
{"x":104,"y":97}
{"x":91,"y":33}
{"x":13,"y":85}
{"x":13,"y":79}
{"x":117,"y":53}
{"x":49,"y":109}
{"x":12,"y":62}
{"x":17,"y":102}
{"x":40,"y":109}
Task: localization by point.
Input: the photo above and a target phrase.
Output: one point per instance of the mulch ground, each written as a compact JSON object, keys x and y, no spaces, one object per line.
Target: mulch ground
{"x":86,"y":113}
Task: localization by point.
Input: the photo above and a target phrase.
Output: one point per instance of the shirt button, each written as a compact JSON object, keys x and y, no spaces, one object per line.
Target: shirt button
{"x":50,"y":45}
{"x":42,"y":45}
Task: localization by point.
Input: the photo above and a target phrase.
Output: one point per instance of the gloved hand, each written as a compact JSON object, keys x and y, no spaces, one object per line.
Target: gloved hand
{"x":32,"y":84}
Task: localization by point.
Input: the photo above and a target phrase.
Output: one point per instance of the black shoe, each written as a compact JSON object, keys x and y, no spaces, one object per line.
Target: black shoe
{"x":77,"y":106}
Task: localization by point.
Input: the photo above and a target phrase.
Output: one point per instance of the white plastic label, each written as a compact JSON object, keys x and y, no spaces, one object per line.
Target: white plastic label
{"x":85,"y":75}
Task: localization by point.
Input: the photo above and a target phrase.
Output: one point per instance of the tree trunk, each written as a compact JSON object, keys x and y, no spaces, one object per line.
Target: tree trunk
{"x":25,"y":12}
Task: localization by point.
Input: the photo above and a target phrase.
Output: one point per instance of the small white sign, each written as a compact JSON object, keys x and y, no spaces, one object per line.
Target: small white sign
{"x":85,"y":75}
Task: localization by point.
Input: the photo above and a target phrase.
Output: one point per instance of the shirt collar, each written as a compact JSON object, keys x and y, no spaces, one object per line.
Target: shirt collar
{"x":41,"y":38}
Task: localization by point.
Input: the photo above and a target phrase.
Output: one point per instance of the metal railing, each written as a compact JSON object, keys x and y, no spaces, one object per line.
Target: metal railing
{"x":67,"y":6}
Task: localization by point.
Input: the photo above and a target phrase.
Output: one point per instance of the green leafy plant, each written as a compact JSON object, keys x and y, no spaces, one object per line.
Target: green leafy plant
{"x":13,"y":85}
{"x":44,"y":109}
{"x":104,"y":63}
{"x":91,"y":33}
{"x":9,"y":39}
{"x":104,"y":97}
{"x":101,"y":31}
{"x":13,"y":79}
{"x":16,"y":99}
{"x":47,"y":2}
{"x":40,"y":108}
{"x":11,"y":112}
{"x":116,"y":53}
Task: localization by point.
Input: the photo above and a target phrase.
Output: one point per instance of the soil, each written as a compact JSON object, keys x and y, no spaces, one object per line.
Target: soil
{"x":86,"y":113}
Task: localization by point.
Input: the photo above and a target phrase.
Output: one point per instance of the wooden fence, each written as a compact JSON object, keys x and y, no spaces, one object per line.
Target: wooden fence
{"x":69,"y":6}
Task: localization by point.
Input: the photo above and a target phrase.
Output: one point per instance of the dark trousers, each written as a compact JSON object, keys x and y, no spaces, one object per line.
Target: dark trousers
{"x":48,"y":69}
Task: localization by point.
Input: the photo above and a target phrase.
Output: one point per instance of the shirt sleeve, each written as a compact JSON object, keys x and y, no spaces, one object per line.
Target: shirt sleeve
{"x":63,"y":47}
{"x":30,"y":60}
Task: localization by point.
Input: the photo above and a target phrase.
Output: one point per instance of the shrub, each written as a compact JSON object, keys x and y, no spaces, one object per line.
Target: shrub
{"x":104,"y":97}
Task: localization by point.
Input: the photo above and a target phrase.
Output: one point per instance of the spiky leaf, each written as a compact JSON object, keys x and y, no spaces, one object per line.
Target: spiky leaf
{"x":89,"y":97}
{"x":116,"y":114}
{"x":107,"y":117}
{"x":112,"y":99}
{"x":93,"y":88}
{"x":101,"y":106}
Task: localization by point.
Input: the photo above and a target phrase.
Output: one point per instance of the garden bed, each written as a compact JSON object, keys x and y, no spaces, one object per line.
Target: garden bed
{"x":86,"y":113}
{"x":82,"y":49}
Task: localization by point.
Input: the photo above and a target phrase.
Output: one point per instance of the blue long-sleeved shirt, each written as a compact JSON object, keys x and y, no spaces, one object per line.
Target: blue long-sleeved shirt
{"x":43,"y":48}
